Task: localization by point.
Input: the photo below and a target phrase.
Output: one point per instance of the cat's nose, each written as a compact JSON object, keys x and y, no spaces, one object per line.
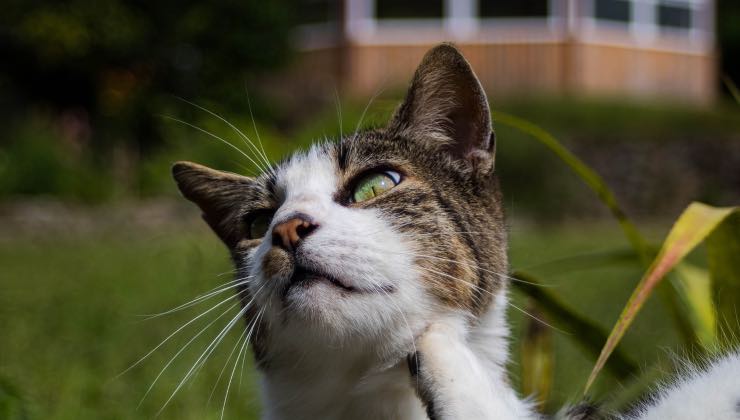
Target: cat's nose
{"x":288,"y":233}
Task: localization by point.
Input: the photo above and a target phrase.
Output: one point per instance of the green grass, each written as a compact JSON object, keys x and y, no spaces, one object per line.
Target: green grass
{"x":69,"y":311}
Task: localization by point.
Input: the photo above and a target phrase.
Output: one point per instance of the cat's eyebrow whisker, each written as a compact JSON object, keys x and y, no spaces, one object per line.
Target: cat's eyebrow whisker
{"x":362,"y":116}
{"x":244,"y":137}
{"x":478,"y":268}
{"x":185,"y":346}
{"x":198,"y":299}
{"x":494,"y":295}
{"x":209,"y":350}
{"x":270,"y":168}
{"x":208,"y":133}
{"x":339,"y":112}
{"x":173,"y":334}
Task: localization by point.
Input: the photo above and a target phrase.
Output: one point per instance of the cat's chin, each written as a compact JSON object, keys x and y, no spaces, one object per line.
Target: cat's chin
{"x":320,"y":305}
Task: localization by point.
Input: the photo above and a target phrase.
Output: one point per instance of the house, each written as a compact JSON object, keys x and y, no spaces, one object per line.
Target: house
{"x":656,"y":49}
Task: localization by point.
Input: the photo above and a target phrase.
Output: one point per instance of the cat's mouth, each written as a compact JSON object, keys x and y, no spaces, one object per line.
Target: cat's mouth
{"x":305,"y":277}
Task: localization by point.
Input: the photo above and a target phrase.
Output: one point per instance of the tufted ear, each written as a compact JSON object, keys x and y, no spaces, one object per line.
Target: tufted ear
{"x":447,"y":105}
{"x":218,"y":194}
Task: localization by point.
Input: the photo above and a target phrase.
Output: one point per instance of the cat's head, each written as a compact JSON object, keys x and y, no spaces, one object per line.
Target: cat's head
{"x":368,"y":239}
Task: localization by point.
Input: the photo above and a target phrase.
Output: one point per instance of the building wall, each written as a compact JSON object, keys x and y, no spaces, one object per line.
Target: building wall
{"x":504,"y":69}
{"x":651,"y":74}
{"x":513,"y":69}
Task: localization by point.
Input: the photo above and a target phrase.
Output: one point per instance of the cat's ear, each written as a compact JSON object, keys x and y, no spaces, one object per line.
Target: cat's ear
{"x":446,"y":104}
{"x":218,"y":194}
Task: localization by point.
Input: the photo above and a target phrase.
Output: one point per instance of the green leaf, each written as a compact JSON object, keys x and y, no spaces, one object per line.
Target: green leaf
{"x":588,"y":175}
{"x":723,"y":254}
{"x":694,"y":286}
{"x":584,"y":332}
{"x":691,"y":228}
{"x":732,"y":87}
{"x":537,"y":357}
{"x":592,"y":260}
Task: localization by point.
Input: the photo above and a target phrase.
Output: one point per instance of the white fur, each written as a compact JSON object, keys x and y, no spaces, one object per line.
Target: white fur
{"x":712,"y":394}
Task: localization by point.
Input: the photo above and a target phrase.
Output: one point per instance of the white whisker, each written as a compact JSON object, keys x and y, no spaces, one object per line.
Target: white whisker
{"x":231,"y":378}
{"x":198,"y":299}
{"x":244,"y":137}
{"x":256,"y":132}
{"x":474,"y":266}
{"x":208,"y":351}
{"x":493,"y":294}
{"x":185,"y":346}
{"x":172,"y":335}
{"x":204,"y":131}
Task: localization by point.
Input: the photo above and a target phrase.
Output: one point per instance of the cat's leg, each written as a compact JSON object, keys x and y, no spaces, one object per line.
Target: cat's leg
{"x":453,"y":383}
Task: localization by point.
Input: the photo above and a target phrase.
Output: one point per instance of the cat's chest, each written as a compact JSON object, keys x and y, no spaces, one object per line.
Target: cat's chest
{"x":333,"y":395}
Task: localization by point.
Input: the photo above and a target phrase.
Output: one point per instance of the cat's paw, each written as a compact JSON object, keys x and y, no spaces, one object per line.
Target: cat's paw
{"x":433,"y":368}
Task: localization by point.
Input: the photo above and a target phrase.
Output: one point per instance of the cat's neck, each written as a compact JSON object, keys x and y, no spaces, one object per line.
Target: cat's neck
{"x":349,"y":383}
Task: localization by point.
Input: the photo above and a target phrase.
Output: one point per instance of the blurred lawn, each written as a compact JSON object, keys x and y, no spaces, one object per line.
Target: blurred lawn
{"x":70,"y":306}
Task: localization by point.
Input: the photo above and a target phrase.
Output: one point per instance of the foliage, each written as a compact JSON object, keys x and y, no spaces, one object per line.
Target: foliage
{"x":114,"y":63}
{"x":704,"y":297}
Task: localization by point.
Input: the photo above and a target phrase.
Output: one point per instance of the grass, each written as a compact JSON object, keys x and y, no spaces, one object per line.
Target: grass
{"x":70,"y":313}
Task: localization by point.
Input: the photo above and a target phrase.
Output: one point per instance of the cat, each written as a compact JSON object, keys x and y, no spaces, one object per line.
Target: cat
{"x":372,"y":270}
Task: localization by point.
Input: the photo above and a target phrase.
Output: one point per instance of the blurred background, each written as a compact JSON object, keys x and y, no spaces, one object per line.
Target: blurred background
{"x":96,"y":105}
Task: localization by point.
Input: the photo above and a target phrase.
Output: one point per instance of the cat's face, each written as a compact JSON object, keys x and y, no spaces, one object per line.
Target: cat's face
{"x":369,"y":239}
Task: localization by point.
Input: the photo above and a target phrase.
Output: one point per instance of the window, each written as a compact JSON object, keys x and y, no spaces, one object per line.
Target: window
{"x":409,"y":9}
{"x":614,"y":10}
{"x":512,"y":8}
{"x":674,"y":15}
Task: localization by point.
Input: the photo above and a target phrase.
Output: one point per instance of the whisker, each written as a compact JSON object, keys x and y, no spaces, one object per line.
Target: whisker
{"x":185,"y":346}
{"x":538,"y":319}
{"x":478,"y":268}
{"x":339,"y":111}
{"x":493,"y":294}
{"x":362,"y":116}
{"x":228,"y":359}
{"x":204,"y":131}
{"x":256,"y":132}
{"x":172,"y":335}
{"x":208,"y":351}
{"x":258,"y":318}
{"x":364,"y":111}
{"x":231,"y":378}
{"x":253,"y":299}
{"x":244,"y":137}
{"x":198,"y":299}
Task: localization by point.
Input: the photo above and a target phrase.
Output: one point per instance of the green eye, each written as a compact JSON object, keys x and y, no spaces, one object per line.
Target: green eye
{"x":259,"y":224}
{"x":375,"y":184}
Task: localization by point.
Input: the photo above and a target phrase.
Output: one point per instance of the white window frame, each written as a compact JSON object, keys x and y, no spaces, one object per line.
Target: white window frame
{"x":461,"y":23}
{"x":644,"y":31}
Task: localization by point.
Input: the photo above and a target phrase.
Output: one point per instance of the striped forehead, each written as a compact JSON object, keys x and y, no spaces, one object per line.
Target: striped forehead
{"x":312,"y":172}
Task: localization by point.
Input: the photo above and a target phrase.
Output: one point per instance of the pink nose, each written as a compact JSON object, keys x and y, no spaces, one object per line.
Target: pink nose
{"x":289,"y":233}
